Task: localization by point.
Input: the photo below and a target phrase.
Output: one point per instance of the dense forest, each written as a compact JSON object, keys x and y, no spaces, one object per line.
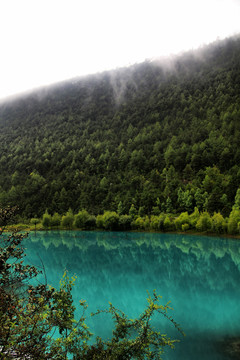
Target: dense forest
{"x":162,"y":136}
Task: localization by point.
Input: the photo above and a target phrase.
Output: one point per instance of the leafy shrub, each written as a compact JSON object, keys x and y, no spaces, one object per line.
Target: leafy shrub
{"x":68,"y":219}
{"x":80,"y":219}
{"x":194,"y":217}
{"x":110,"y":220}
{"x":185,"y":227}
{"x":234,"y":219}
{"x":204,"y":222}
{"x":218,"y":223}
{"x":125,"y":222}
{"x":154,"y":223}
{"x":99,"y":222}
{"x":90,"y":222}
{"x":139,"y":223}
{"x":183,"y":218}
{"x":56,"y":220}
{"x":133,"y":212}
{"x":46,"y":221}
{"x":168,"y":224}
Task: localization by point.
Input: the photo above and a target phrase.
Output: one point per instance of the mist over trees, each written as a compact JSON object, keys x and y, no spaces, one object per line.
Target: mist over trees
{"x":160,"y":138}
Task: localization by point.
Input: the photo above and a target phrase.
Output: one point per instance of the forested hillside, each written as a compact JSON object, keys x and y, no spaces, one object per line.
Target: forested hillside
{"x":162,"y":135}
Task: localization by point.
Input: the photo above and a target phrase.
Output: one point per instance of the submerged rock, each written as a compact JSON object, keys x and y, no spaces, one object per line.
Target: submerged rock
{"x":231,"y":347}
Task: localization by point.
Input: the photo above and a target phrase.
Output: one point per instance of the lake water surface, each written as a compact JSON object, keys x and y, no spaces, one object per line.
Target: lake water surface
{"x":199,"y":275}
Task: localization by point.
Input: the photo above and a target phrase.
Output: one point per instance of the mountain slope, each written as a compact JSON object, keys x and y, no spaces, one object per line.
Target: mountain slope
{"x":159,"y":135}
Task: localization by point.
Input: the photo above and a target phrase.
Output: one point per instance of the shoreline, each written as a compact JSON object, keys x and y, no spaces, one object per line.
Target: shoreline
{"x":27,"y":228}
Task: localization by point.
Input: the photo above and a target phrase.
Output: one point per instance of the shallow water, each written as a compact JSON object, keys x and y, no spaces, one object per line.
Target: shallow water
{"x":199,"y":275}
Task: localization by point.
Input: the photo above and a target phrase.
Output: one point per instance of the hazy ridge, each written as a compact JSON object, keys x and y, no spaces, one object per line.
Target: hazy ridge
{"x":135,"y":135}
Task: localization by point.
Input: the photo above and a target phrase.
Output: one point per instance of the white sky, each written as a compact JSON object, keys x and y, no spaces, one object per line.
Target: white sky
{"x":45,"y":41}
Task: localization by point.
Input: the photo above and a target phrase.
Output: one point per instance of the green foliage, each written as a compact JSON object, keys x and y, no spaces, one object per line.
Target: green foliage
{"x":132,"y":212}
{"x":46,"y":221}
{"x":83,"y":220}
{"x":110,"y":220}
{"x":181,"y":220}
{"x":200,"y":198}
{"x":233,"y":221}
{"x":155,"y":210}
{"x":168,"y":224}
{"x":215,"y":184}
{"x":136,"y":339}
{"x":125,"y":222}
{"x":56,"y":220}
{"x":141,"y":211}
{"x":35,"y":221}
{"x":185,"y":200}
{"x":162,"y":140}
{"x":204,"y":222}
{"x":154,"y":222}
{"x":218,"y":223}
{"x":99,"y":222}
{"x":194,"y":217}
{"x":120,"y":209}
{"x":68,"y":219}
{"x":147,"y":223}
{"x":237,"y":200}
{"x":185,"y":227}
{"x":169,"y":207}
{"x":139,"y":223}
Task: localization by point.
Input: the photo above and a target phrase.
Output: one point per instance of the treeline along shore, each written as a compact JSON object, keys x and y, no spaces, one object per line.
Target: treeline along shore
{"x":134,"y":220}
{"x":162,"y":136}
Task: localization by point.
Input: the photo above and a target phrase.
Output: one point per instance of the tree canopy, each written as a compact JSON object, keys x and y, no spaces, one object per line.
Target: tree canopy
{"x":137,"y":135}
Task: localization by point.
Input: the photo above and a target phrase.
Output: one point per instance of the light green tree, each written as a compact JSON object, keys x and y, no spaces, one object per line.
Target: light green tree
{"x":233,"y":221}
{"x":110,"y":220}
{"x":46,"y":221}
{"x":204,"y":222}
{"x":237,"y":200}
{"x":68,"y":219}
{"x":218,"y":223}
{"x":56,"y":220}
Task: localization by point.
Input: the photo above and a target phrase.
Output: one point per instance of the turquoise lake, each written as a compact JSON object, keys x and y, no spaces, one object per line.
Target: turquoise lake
{"x":200,"y":276}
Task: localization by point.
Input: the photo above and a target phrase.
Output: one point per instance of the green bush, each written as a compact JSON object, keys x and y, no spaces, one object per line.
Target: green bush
{"x":139,"y":223}
{"x":233,"y":221}
{"x":218,"y":223}
{"x":125,"y":222}
{"x":90,"y":222}
{"x":168,"y":224}
{"x":81,"y":219}
{"x":204,"y":222}
{"x":193,"y":218}
{"x":155,"y":210}
{"x":154,"y":223}
{"x":183,"y":218}
{"x":56,"y":220}
{"x":133,"y":212}
{"x":185,"y":227}
{"x":46,"y":221}
{"x":68,"y":219}
{"x":99,"y":222}
{"x":110,"y":220}
{"x":157,"y":222}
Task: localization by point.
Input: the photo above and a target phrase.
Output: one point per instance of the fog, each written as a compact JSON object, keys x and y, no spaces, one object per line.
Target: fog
{"x":49,"y":41}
